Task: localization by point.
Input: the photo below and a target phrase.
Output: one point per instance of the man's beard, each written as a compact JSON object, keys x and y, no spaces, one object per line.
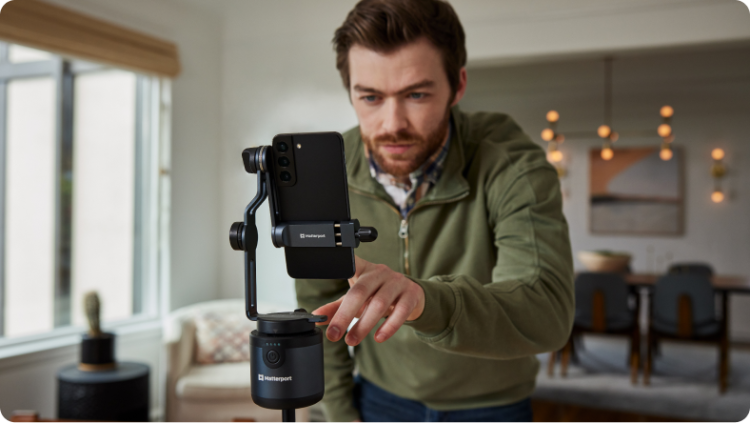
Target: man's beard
{"x":401,"y":165}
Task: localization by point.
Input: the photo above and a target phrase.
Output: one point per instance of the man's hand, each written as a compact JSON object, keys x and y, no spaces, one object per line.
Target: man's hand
{"x":376,"y":291}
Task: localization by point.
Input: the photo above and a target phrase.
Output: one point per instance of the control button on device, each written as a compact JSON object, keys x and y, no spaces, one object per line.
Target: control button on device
{"x":273,"y":356}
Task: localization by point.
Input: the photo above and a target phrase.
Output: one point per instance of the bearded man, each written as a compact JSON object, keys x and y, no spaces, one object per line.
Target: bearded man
{"x":471,"y":275}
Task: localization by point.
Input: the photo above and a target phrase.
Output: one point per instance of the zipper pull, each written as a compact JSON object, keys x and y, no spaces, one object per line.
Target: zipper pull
{"x":403,"y":232}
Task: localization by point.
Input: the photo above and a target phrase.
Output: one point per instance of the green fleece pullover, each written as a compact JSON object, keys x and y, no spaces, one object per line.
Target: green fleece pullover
{"x":489,"y":245}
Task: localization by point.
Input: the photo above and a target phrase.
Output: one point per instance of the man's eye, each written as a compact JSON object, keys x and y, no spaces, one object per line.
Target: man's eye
{"x":370,"y":98}
{"x":416,"y":96}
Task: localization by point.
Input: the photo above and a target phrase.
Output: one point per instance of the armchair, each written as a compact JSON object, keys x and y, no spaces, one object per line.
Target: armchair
{"x":209,"y":392}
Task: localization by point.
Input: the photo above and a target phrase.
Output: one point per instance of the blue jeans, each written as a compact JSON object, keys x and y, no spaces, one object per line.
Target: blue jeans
{"x":377,"y":405}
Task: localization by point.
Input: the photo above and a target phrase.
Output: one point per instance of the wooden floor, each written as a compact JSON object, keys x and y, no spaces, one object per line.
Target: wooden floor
{"x":547,"y":411}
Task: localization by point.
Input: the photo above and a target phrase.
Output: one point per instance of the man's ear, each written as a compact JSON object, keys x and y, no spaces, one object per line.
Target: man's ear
{"x":461,"y":88}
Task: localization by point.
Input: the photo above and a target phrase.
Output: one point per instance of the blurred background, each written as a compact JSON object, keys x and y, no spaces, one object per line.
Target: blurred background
{"x":121,"y":138}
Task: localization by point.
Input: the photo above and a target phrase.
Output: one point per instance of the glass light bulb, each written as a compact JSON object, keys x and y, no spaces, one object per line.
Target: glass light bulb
{"x":666,"y":111}
{"x":607,"y":153}
{"x":664,"y":130}
{"x":604,"y":131}
{"x":717,"y":153}
{"x":555,"y":156}
{"x":548,"y":134}
{"x":665,"y":154}
{"x":553,"y":116}
{"x":717,"y":196}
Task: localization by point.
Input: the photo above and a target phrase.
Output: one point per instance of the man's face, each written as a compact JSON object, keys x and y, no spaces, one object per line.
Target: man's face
{"x":402,"y":100}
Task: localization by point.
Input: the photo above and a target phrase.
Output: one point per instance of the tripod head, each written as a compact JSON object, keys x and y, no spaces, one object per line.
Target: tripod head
{"x":286,"y":349}
{"x":243,"y":236}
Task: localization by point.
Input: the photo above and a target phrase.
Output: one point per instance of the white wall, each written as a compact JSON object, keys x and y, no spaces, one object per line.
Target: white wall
{"x":517,"y":31}
{"x":28,"y":381}
{"x":708,"y":90}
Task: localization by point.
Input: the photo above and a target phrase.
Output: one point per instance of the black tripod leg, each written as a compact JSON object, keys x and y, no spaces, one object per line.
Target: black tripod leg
{"x":287,"y":415}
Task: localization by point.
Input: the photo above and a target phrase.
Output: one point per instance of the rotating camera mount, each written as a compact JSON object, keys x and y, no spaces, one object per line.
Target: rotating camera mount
{"x":286,"y":349}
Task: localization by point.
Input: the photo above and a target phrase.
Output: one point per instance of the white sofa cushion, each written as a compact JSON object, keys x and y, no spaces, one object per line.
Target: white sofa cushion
{"x":215,"y":382}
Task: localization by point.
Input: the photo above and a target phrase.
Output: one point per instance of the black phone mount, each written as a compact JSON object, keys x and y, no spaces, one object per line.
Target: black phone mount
{"x":286,"y":349}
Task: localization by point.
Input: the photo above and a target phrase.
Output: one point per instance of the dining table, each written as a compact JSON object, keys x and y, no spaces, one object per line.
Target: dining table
{"x":722,"y":283}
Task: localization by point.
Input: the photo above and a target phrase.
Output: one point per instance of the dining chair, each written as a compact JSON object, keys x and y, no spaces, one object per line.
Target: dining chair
{"x":682,"y":308}
{"x":689,"y":268}
{"x":606,"y":305}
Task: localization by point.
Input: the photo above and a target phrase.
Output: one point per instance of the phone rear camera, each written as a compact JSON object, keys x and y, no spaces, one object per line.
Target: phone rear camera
{"x":282,"y":147}
{"x":283,"y":162}
{"x":285,"y":176}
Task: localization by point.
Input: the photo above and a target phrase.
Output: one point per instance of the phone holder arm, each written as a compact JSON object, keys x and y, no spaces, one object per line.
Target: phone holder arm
{"x":244,"y":235}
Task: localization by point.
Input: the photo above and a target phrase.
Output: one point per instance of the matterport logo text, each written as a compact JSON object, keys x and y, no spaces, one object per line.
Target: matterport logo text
{"x":303,"y":236}
{"x":274,"y":378}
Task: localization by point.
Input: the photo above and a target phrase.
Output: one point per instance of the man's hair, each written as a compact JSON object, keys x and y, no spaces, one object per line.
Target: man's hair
{"x":386,"y":25}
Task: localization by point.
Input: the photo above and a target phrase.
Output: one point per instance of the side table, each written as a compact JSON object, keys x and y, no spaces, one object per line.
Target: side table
{"x":120,"y":394}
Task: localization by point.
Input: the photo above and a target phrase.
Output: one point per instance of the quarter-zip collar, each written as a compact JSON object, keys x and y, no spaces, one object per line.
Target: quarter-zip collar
{"x":450,"y":185}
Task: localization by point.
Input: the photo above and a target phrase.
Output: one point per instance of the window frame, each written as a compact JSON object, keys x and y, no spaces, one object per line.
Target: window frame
{"x":151,"y":192}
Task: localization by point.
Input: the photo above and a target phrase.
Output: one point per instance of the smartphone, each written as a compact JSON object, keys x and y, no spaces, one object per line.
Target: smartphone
{"x":309,"y":172}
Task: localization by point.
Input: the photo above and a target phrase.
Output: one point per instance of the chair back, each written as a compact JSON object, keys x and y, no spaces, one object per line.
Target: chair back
{"x":602,"y":302}
{"x":691,"y":269}
{"x":683,"y":305}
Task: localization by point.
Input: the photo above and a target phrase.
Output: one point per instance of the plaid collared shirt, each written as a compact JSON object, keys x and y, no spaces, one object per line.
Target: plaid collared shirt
{"x":421,"y":180}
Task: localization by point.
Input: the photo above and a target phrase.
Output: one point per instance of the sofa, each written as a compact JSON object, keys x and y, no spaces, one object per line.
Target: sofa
{"x":216,"y":391}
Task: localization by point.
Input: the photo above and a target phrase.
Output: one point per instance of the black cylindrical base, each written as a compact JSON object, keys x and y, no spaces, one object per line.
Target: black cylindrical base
{"x":121,"y":394}
{"x":287,"y":370}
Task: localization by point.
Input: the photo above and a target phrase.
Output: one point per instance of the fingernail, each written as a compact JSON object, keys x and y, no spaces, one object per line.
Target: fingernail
{"x":333,"y":333}
{"x":353,"y":340}
{"x":379,"y":337}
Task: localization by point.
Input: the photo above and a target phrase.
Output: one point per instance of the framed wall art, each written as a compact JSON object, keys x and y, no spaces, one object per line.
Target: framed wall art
{"x":636,"y":192}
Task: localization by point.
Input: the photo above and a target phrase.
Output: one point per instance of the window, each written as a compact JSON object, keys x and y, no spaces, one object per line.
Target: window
{"x":79,"y":177}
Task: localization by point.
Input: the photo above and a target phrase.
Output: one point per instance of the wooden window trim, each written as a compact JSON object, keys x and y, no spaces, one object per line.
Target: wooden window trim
{"x":59,"y":30}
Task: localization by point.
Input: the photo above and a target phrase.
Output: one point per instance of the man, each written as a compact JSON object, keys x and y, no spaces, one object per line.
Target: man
{"x":471,"y":275}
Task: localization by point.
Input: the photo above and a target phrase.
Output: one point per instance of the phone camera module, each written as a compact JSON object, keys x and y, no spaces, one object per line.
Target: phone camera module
{"x":282,"y":147}
{"x":283,"y":161}
{"x":285,"y":176}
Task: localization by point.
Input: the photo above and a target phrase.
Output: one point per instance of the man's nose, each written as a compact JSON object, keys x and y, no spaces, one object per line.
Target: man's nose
{"x":395,"y":116}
